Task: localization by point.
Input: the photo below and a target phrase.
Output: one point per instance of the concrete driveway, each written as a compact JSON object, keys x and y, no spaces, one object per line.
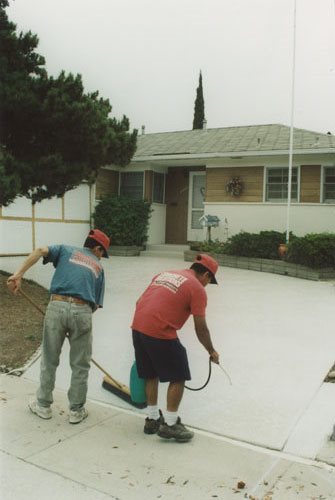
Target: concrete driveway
{"x":275,"y":335}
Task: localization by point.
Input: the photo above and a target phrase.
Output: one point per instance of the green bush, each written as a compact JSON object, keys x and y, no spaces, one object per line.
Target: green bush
{"x":313,"y":250}
{"x":215,"y":246}
{"x":125,"y":220}
{"x":262,"y":245}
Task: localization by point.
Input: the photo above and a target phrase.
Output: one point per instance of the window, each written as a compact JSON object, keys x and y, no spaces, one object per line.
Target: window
{"x":198,"y":186}
{"x":329,"y":185}
{"x":277,"y":184}
{"x":131,"y":185}
{"x":158,"y":188}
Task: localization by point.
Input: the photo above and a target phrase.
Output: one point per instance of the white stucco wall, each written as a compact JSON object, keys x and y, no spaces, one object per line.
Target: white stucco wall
{"x":51,"y":221}
{"x":156,"y":235}
{"x":51,"y":209}
{"x":20,"y":208}
{"x":15,"y":236}
{"x":255,"y":217}
{"x":77,"y":203}
{"x":48,"y":233}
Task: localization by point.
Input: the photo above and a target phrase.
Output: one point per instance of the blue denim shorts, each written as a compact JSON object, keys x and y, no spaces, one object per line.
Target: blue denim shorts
{"x":162,"y":358}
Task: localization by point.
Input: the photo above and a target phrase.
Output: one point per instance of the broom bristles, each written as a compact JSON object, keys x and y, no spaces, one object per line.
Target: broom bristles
{"x":123,"y":393}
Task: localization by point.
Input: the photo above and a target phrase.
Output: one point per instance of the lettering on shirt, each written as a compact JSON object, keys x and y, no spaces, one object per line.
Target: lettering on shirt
{"x":170,"y":281}
{"x":81,"y":259}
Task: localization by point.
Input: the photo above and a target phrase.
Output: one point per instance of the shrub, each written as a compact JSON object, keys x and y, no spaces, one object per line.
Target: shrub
{"x":125,"y":220}
{"x":313,"y":250}
{"x":262,"y":245}
{"x":215,"y":246}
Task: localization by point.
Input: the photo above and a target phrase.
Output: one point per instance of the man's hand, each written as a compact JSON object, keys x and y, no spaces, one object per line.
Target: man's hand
{"x":14,"y":283}
{"x":215,"y":357}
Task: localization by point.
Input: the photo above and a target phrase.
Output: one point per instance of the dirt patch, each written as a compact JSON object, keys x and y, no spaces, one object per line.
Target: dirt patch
{"x":21,"y":324}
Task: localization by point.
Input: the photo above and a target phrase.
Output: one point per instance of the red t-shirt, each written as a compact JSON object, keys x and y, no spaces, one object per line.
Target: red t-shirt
{"x":167,"y":303}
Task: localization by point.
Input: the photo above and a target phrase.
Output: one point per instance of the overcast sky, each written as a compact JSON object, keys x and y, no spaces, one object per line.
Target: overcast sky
{"x":145,"y":56}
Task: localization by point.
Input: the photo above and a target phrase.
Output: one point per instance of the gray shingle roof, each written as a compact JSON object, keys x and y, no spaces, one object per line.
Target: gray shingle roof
{"x":243,"y":139}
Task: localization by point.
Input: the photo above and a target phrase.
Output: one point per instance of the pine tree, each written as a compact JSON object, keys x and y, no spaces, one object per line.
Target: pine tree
{"x":53,"y":135}
{"x":199,"y":107}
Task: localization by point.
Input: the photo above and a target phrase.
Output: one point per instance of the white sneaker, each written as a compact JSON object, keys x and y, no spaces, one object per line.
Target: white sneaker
{"x":41,"y":411}
{"x":77,"y":416}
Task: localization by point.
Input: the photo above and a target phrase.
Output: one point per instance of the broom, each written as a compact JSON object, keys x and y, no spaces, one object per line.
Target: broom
{"x":109,"y":383}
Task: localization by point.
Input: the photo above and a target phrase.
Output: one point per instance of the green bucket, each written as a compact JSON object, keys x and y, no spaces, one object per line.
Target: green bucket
{"x":137,"y":386}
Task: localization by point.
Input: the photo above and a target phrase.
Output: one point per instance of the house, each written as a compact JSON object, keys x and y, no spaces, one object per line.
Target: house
{"x":185,"y":175}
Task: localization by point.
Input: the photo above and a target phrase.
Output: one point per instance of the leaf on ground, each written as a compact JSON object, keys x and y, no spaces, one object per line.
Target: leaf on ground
{"x":169,"y":480}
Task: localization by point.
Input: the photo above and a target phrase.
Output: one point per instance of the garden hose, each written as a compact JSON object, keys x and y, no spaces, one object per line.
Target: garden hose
{"x":209,"y":377}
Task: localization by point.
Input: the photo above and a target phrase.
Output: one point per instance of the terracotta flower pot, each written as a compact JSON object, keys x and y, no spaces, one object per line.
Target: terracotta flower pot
{"x":282,"y":250}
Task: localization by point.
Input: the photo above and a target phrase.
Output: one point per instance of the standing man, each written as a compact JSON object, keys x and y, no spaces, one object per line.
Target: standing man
{"x":161,"y":310}
{"x":77,"y":289}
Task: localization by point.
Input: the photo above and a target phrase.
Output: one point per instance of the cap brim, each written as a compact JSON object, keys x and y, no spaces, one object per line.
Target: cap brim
{"x":213,"y":281}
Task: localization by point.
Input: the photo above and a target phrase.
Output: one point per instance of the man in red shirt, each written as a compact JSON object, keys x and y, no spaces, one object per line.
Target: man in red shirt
{"x":161,"y":310}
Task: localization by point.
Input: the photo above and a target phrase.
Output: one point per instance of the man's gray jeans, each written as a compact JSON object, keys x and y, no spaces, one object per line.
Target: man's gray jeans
{"x":74,"y":320}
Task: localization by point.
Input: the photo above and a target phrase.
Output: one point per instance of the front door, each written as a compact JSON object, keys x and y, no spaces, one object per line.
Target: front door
{"x":196,"y":200}
{"x":176,"y":199}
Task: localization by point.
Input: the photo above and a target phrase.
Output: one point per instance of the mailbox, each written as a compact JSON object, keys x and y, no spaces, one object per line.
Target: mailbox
{"x":209,"y":220}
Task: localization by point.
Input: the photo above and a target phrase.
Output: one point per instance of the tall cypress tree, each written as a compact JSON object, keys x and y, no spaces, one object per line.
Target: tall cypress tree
{"x":199,"y":107}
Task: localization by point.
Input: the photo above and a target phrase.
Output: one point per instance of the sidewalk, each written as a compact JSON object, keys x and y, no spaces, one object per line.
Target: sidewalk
{"x":109,"y":456}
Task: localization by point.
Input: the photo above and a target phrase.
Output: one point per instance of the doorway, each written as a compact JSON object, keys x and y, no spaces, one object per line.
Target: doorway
{"x":197,"y":190}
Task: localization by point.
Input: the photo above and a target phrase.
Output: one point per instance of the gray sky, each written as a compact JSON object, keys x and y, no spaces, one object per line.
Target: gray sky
{"x":145,"y":56}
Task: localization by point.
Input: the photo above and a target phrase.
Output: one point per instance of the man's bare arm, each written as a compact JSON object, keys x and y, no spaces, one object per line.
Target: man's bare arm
{"x":14,"y":281}
{"x":204,"y":337}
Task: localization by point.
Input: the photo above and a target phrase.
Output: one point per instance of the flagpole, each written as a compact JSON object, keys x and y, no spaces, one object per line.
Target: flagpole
{"x":289,"y":185}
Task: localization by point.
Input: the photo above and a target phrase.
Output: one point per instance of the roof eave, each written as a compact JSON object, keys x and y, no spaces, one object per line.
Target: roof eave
{"x":231,"y":154}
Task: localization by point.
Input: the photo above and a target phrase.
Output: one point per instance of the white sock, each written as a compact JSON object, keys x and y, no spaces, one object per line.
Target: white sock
{"x":170,"y":417}
{"x":153,"y":412}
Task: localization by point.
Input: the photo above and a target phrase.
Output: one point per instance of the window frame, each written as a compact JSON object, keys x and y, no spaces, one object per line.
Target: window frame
{"x":323,"y":183}
{"x":282,"y":200}
{"x":143,"y":183}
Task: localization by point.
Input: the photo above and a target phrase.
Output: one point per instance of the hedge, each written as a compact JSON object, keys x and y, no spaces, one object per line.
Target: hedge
{"x":312,"y":250}
{"x":315,"y":250}
{"x":125,"y":220}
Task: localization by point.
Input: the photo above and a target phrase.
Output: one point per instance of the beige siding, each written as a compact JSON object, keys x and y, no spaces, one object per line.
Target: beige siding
{"x":251,"y":177}
{"x":107,"y":183}
{"x":310,"y":176}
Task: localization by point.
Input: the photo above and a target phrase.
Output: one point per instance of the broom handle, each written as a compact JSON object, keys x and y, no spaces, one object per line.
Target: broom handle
{"x":120,"y":386}
{"x":31,"y":301}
